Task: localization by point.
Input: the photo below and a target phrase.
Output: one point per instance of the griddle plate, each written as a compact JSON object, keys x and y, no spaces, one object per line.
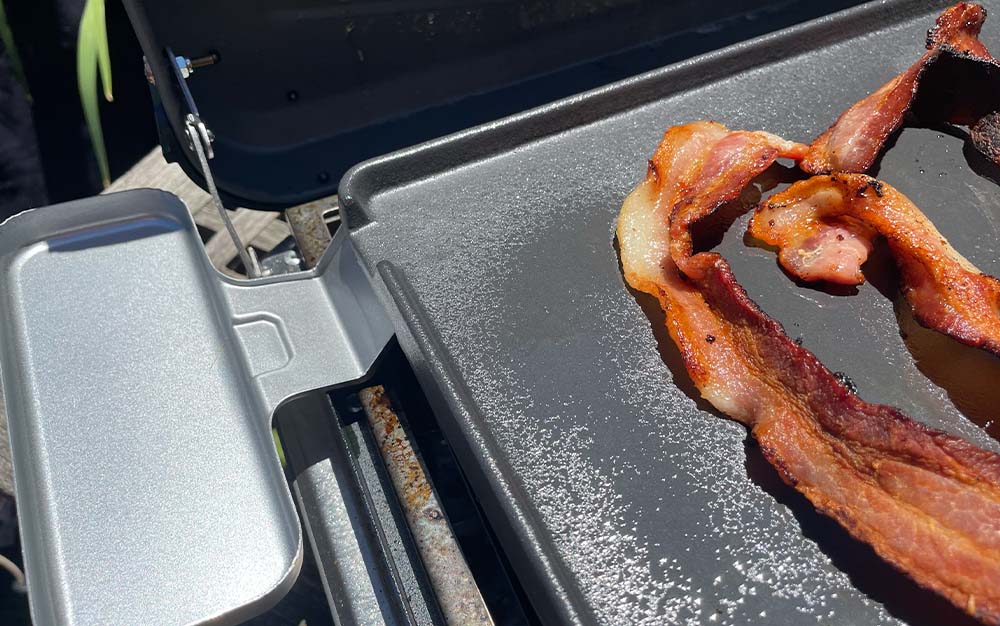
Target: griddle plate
{"x":621,"y":496}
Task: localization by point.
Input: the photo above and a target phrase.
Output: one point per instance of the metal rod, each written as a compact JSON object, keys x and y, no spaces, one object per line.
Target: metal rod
{"x":460,"y":599}
{"x":197,"y":137}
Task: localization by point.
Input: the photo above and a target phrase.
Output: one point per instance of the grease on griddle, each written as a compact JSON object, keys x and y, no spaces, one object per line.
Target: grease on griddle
{"x":968,"y":375}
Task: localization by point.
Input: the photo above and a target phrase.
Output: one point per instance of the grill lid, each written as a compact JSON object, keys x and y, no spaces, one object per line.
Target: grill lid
{"x":298,"y":91}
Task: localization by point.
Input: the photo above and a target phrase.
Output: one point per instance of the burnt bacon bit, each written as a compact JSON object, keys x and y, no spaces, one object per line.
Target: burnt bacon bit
{"x":651,"y":170}
{"x":846,"y":381}
{"x":823,"y":440}
{"x":840,"y":237}
{"x":857,"y":137}
{"x":710,"y":338}
{"x":863,"y":189}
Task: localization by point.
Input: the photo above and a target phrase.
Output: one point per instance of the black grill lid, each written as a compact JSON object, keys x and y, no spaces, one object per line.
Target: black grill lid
{"x":302,"y":90}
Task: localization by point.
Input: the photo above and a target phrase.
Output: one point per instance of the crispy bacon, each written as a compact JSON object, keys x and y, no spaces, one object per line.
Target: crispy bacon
{"x":824,"y":228}
{"x":955,"y":81}
{"x":925,"y":501}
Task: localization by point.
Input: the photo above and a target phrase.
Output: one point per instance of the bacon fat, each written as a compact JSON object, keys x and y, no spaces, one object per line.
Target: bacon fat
{"x":824,"y":227}
{"x":927,"y":502}
{"x":956,"y":81}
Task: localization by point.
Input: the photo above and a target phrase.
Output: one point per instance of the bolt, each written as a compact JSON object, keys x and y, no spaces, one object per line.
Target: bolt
{"x":204,"y":61}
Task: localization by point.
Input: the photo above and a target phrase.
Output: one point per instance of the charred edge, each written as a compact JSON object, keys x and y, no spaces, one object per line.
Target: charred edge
{"x":986,"y":136}
{"x":771,"y":454}
{"x":651,"y":171}
{"x":973,"y":17}
{"x":871,"y":183}
{"x":846,"y":381}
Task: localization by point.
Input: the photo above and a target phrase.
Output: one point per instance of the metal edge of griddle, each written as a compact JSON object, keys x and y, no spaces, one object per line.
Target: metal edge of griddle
{"x":548,"y":584}
{"x":544,"y":578}
{"x":285,"y":333}
{"x":423,"y":160}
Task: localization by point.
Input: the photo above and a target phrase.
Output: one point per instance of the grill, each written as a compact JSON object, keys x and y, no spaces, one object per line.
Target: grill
{"x":463,"y":373}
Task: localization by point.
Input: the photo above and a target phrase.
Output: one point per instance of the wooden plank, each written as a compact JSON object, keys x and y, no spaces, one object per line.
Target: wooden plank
{"x":154,"y":171}
{"x":273,"y":233}
{"x":261,"y":229}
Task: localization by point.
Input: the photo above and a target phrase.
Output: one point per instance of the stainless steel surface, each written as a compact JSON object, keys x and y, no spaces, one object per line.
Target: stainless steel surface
{"x":619,"y":495}
{"x":139,"y":387}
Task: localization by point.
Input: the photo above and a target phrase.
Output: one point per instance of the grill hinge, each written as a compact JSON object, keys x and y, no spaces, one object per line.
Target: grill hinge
{"x":199,"y":139}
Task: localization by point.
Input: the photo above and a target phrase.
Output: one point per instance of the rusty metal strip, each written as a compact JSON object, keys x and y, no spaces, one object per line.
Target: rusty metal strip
{"x":309,"y":228}
{"x":457,"y":592}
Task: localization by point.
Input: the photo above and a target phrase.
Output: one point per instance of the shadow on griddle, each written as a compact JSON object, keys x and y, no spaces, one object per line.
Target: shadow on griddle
{"x":977,"y":161}
{"x":869,"y":574}
{"x":668,"y":349}
{"x":968,"y":375}
{"x":889,"y":144}
{"x":709,"y":232}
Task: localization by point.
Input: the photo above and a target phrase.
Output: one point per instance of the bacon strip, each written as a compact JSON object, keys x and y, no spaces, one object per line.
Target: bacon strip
{"x":955,"y":81}
{"x":824,"y":228}
{"x":925,"y":501}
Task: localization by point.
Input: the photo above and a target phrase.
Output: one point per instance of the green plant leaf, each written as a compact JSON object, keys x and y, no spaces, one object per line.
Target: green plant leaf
{"x":277,"y":446}
{"x":7,"y":39}
{"x":93,"y":61}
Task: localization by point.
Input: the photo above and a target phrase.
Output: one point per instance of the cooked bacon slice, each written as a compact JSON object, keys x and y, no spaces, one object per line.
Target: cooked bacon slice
{"x":824,"y":228}
{"x":955,"y":81}
{"x":925,"y":501}
{"x":715,"y":174}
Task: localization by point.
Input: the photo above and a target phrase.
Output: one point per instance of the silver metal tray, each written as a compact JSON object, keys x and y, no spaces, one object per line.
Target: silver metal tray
{"x":139,"y":386}
{"x":621,"y":497}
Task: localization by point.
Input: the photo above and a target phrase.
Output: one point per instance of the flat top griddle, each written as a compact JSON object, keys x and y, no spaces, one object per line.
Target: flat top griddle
{"x":620,"y":495}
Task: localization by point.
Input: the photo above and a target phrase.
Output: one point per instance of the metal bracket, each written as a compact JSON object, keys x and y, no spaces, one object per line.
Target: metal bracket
{"x":200,"y":140}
